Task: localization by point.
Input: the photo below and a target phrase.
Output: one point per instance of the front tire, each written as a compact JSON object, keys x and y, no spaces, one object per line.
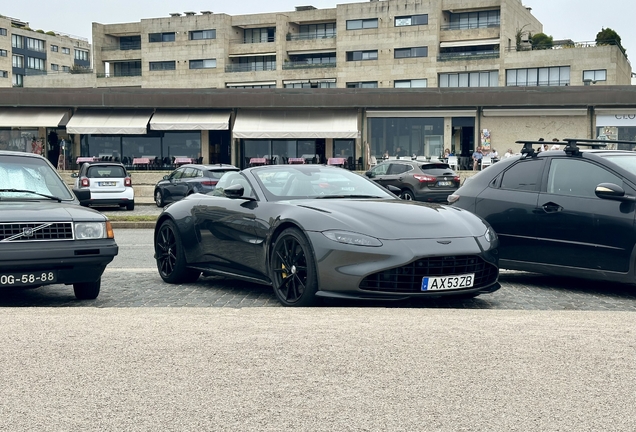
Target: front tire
{"x":407,"y":195}
{"x":293,"y":269}
{"x":171,"y":261}
{"x":159,"y":198}
{"x":87,"y":290}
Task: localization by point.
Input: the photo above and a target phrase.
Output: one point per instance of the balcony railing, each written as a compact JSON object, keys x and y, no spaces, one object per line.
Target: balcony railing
{"x":32,"y":72}
{"x":126,"y":47}
{"x":305,"y":65}
{"x":119,"y":75}
{"x":469,"y":55}
{"x":305,"y":36}
{"x":469,"y":26}
{"x":245,"y":41}
{"x":250,"y":67}
{"x":526,"y":45}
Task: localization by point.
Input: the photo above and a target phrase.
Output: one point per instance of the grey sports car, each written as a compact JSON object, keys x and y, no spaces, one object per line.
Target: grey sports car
{"x":319,"y":231}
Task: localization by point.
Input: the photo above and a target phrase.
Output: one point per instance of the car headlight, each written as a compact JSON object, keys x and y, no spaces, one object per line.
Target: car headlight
{"x":90,"y":230}
{"x":490,"y":235}
{"x":352,"y":238}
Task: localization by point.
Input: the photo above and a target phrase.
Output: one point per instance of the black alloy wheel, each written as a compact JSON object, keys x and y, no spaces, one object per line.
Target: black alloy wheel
{"x":171,"y":261}
{"x":293,"y":269}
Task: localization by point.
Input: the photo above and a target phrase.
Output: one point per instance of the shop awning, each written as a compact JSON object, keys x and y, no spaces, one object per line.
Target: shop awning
{"x":33,"y":117}
{"x":296,"y":124}
{"x":190,"y":120}
{"x":107,"y":122}
{"x":465,"y":43}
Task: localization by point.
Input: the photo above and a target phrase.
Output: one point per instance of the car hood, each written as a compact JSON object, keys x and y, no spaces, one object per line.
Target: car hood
{"x":392,"y":219}
{"x":46,"y":211}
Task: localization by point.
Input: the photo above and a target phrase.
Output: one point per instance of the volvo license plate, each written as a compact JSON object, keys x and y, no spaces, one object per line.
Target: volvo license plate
{"x":27,"y":279}
{"x":448,"y":282}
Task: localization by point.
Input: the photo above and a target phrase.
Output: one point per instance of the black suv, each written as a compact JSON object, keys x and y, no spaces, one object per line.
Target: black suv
{"x":417,"y":180}
{"x":46,"y":237}
{"x":564,"y":212}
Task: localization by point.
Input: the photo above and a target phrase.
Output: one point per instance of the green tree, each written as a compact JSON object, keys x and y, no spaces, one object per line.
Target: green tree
{"x":542,"y":41}
{"x":607,"y":36}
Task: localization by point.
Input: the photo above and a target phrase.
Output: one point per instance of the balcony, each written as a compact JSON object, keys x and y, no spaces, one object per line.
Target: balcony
{"x":304,"y":65}
{"x":250,"y":67}
{"x":309,"y":36}
{"x":468,"y":55}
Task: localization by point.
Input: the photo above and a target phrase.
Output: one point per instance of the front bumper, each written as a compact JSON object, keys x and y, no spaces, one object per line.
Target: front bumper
{"x":342,"y":268}
{"x":74,"y":260}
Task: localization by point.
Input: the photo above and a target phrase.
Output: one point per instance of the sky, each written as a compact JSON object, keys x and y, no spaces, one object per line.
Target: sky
{"x":578,"y":20}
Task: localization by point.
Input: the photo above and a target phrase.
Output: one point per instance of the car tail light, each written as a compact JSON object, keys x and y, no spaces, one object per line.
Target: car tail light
{"x":209,"y":182}
{"x":86,"y":182}
{"x":452,"y":198}
{"x":422,"y":178}
{"x":127,"y":182}
{"x":457,"y":179}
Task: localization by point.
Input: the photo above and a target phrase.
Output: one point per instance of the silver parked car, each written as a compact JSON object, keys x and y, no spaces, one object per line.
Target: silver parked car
{"x":109,"y":183}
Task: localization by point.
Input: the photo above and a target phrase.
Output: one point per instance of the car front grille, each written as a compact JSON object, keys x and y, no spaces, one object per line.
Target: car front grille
{"x":36,"y":231}
{"x":408,"y":278}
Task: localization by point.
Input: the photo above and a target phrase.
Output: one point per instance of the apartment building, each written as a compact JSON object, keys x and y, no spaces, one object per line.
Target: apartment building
{"x":26,"y":52}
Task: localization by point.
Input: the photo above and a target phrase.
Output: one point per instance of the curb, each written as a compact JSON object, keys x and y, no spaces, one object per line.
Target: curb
{"x":135,"y":225}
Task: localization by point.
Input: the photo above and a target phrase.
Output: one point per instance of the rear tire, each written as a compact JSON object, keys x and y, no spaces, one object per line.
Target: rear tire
{"x":87,"y":290}
{"x":171,"y":260}
{"x":130,"y":206}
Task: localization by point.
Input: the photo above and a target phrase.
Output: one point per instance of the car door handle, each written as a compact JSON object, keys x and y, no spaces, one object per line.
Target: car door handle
{"x":551,"y":207}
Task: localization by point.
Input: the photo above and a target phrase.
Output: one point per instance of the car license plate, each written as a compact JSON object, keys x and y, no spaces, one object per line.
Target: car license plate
{"x":106,"y":183}
{"x":26,"y":279}
{"x":448,"y":282}
{"x":445,"y":183}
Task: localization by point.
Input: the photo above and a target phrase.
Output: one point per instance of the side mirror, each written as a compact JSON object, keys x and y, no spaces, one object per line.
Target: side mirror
{"x":369,"y":174}
{"x":166,"y":177}
{"x":82,"y":194}
{"x":234,"y":191}
{"x":74,"y":175}
{"x":612,"y":191}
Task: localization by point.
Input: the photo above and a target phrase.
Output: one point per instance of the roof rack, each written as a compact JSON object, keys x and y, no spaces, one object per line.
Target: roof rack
{"x":572,"y":146}
{"x":528,"y":150}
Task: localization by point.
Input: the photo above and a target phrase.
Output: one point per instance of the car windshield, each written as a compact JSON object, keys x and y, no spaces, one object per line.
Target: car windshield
{"x":283,"y":182}
{"x":625,"y":161}
{"x":31,"y":176}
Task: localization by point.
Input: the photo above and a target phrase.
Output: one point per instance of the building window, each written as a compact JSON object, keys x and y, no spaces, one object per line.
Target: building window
{"x":414,"y":83}
{"x":3,"y":53}
{"x":317,"y":31}
{"x":363,"y":84}
{"x":3,"y":32}
{"x":18,"y":80}
{"x":81,"y":55}
{"x":411,"y":20}
{"x":17,"y":41}
{"x":66,"y":50}
{"x":162,"y":65}
{"x":36,"y":63}
{"x":362,"y":24}
{"x":595,"y":75}
{"x":202,"y":34}
{"x":66,"y":68}
{"x":203,"y":64}
{"x":410,"y":52}
{"x":362,"y":55}
{"x":161,"y":37}
{"x":248,"y":64}
{"x":55,"y":67}
{"x":549,"y":76}
{"x":311,"y":84}
{"x":35,"y":44}
{"x":472,"y":20}
{"x":259,"y":35}
{"x":18,"y":61}
{"x":469,"y":79}
{"x":4,"y":74}
{"x":127,"y":43}
{"x":54,"y":48}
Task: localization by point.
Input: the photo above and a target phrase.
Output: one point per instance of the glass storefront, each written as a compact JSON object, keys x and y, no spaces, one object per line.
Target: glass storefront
{"x":21,"y":140}
{"x":279,"y":151}
{"x":619,"y":126}
{"x":412,"y":136}
{"x":159,"y":147}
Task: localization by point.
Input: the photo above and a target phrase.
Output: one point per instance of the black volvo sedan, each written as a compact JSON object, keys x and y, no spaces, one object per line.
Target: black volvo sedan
{"x":319,"y":231}
{"x":46,"y":237}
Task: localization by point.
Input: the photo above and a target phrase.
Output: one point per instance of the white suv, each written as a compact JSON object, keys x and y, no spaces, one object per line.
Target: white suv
{"x":109,"y":183}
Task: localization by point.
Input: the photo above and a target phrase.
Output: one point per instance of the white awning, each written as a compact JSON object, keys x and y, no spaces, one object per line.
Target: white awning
{"x":252,"y":54}
{"x":474,"y":42}
{"x":106,"y":122}
{"x":296,"y":124}
{"x":314,"y":51}
{"x":190,"y":120}
{"x":418,"y":113}
{"x":251,"y":83}
{"x":533,"y":112}
{"x":33,"y":117}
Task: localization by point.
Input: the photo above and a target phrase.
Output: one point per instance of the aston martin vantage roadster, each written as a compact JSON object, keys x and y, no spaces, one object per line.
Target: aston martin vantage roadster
{"x":319,"y":231}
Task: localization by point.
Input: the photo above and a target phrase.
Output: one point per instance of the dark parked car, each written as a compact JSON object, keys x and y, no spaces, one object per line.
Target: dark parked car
{"x":46,"y":237}
{"x":564,"y":212}
{"x":417,"y":180}
{"x":189,"y":179}
{"x":109,"y":183}
{"x":317,"y":230}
